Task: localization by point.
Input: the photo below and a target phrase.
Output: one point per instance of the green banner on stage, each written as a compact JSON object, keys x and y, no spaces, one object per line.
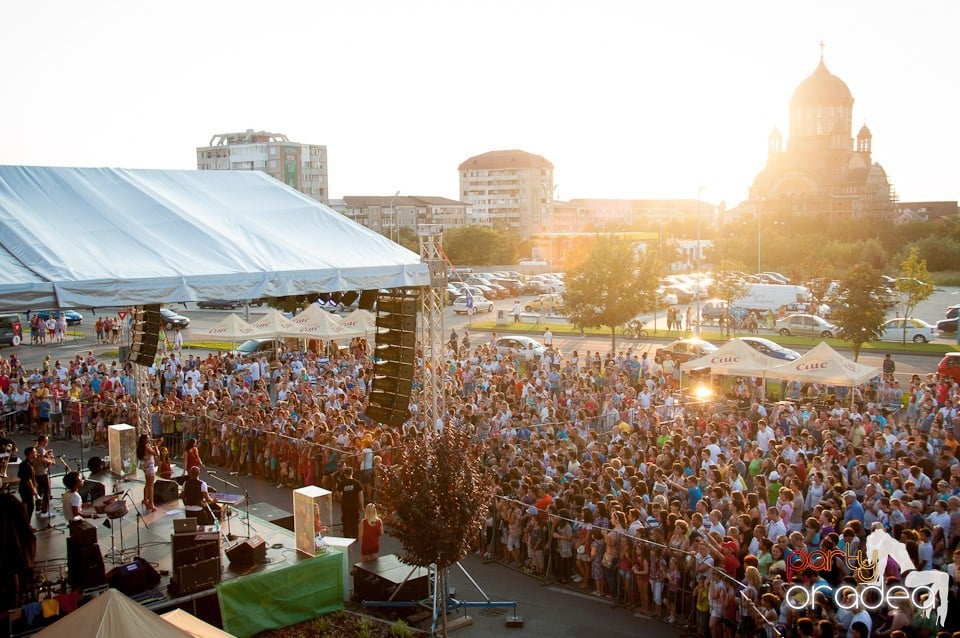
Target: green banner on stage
{"x":283,"y":597}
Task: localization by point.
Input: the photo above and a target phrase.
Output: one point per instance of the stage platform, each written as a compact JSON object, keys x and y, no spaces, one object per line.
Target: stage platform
{"x":156,"y":546}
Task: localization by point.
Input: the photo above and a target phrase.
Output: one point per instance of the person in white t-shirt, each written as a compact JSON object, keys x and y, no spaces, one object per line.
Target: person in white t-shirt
{"x":71,"y":499}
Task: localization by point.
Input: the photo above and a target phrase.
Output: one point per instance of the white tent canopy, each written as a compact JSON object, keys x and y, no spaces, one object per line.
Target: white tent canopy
{"x":230,"y":328}
{"x":96,"y":237}
{"x":823,"y":364}
{"x":193,"y":625}
{"x":362,"y":319}
{"x":315,"y":322}
{"x":273,"y":325}
{"x":112,"y":615}
{"x":734,"y":358}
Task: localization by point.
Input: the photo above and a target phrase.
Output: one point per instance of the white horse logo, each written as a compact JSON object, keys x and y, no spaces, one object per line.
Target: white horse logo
{"x":881,"y":547}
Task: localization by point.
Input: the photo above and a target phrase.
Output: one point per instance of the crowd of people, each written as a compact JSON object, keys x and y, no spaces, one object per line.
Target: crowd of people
{"x":606,"y":479}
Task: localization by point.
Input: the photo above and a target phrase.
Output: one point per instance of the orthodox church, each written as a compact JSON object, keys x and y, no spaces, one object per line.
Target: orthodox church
{"x":821,"y":170}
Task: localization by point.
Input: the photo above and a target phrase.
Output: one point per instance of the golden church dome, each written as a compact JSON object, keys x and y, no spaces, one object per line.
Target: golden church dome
{"x":822,"y":87}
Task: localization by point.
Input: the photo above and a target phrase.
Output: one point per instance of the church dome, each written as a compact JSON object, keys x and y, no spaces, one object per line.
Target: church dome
{"x":822,"y":87}
{"x":864,"y":132}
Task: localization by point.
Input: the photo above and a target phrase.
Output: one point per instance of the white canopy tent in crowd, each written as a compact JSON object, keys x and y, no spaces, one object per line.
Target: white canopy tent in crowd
{"x":822,"y":364}
{"x":363,"y":320}
{"x":734,"y":358}
{"x":110,"y":237}
{"x":230,"y":328}
{"x":273,"y":325}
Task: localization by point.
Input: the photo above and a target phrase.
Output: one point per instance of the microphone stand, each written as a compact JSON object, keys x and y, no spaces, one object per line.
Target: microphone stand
{"x":229,"y":534}
{"x":246,"y":504}
{"x":140,"y":518}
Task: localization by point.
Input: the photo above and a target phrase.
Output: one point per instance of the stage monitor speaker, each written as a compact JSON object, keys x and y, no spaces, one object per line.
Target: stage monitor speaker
{"x":165,"y":491}
{"x":84,"y":564}
{"x":368,"y":300}
{"x":134,"y":577}
{"x":83,"y":532}
{"x":95,"y":465}
{"x":248,"y":552}
{"x":145,"y":334}
{"x":197,"y":576}
{"x":91,"y":491}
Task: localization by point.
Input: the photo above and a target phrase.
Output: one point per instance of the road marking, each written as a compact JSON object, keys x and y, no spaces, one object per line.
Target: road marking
{"x":564,"y":590}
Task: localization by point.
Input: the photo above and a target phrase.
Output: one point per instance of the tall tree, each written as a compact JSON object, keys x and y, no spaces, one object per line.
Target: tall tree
{"x":480,"y":245}
{"x":436,"y":497}
{"x":728,"y":282}
{"x":818,"y":273}
{"x":914,"y":283}
{"x":612,"y":286}
{"x":857,"y":305}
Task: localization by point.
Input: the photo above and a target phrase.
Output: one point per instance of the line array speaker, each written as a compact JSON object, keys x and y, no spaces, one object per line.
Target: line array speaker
{"x":395,"y":355}
{"x":145,"y":334}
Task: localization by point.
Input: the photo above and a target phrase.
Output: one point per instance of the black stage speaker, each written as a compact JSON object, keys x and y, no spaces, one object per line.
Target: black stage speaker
{"x":193,"y":547}
{"x":395,"y":354}
{"x":91,"y":491}
{"x":378,"y":579}
{"x":196,"y":577}
{"x":165,"y":491}
{"x":368,"y":299}
{"x":134,"y":577}
{"x":145,"y":334}
{"x":83,"y":532}
{"x":248,"y":552}
{"x":96,"y":465}
{"x":84,"y":564}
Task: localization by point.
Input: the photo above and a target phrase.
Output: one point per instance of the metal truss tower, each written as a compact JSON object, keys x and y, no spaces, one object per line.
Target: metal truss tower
{"x":431,"y":325}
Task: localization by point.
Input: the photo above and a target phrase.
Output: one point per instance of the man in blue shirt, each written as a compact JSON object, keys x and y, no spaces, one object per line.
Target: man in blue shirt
{"x":854,"y":510}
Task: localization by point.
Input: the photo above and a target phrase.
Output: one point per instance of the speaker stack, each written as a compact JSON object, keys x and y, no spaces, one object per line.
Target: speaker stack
{"x":84,"y":561}
{"x":196,"y":561}
{"x":145,"y":334}
{"x":395,"y":355}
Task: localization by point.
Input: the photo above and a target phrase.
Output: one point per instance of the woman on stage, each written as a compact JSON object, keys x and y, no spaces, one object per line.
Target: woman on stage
{"x":147,"y":455}
{"x":371,"y":529}
{"x":191,"y":456}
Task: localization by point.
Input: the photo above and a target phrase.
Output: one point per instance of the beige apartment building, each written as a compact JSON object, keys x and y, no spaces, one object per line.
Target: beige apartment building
{"x":513,"y":188}
{"x":387,"y":214}
{"x":300,"y":166}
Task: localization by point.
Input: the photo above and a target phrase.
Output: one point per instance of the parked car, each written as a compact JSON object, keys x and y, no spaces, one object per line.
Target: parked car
{"x":517,"y":344}
{"x":257,"y":348}
{"x":916,"y":330}
{"x":461,"y":305}
{"x":947,"y":325}
{"x":172,"y":319}
{"x":684,"y":350}
{"x":949,"y":366}
{"x":684,"y":294}
{"x":218,"y":304}
{"x":711,"y":309}
{"x":667,"y":298}
{"x":952,"y":312}
{"x":773,"y":275}
{"x":771,"y":348}
{"x":551,"y":303}
{"x":806,"y":326}
{"x":73,"y":317}
{"x":11,"y":329}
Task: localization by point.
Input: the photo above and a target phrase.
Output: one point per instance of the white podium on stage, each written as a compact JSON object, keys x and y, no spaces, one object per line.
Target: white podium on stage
{"x":122,"y":440}
{"x":341,"y":545}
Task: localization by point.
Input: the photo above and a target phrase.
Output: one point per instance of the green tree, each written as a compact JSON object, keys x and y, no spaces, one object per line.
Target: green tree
{"x":612,"y":286}
{"x":728,"y":283}
{"x":914,"y":283}
{"x":481,"y":245}
{"x":818,"y":274}
{"x":858,"y":307}
{"x":435,"y":500}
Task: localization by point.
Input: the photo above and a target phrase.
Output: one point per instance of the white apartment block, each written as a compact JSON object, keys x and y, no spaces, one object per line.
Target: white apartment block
{"x":300,"y":166}
{"x":512,"y":187}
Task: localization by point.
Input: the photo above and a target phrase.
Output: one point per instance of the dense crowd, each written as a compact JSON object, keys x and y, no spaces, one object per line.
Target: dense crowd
{"x":607,"y":479}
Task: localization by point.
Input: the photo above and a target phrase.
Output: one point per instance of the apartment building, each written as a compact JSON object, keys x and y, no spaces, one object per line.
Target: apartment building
{"x":509,"y":187}
{"x":301,"y":166}
{"x":387,"y":214}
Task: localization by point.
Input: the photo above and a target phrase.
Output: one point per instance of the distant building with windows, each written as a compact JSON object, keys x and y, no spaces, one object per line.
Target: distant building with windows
{"x":821,"y":169}
{"x":387,"y":214}
{"x":301,"y":166}
{"x":926,"y":211}
{"x":579,"y":215}
{"x":512,"y":188}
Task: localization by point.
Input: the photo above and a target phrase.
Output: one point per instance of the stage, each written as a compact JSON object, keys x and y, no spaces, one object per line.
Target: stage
{"x":203,"y":564}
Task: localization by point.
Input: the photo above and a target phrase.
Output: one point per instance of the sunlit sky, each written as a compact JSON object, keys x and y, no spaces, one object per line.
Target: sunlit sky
{"x":627,"y":99}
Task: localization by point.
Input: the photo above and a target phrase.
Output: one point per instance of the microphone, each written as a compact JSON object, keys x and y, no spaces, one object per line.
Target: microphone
{"x":211,"y":472}
{"x":233,"y":473}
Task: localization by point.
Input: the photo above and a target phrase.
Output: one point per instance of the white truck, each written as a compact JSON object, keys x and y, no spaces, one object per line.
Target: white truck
{"x":763,"y":297}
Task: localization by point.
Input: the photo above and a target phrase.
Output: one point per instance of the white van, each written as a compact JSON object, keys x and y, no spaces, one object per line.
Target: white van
{"x":763,"y":297}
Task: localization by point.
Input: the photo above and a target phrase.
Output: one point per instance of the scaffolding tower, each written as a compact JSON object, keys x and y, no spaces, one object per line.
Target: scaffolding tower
{"x":431,"y":325}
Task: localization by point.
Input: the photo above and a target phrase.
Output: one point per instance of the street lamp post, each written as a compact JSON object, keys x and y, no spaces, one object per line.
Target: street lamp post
{"x":759,"y":208}
{"x":394,"y":227}
{"x":697,"y":248}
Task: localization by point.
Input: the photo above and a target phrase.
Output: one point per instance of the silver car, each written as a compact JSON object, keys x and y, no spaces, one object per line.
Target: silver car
{"x":804,"y":325}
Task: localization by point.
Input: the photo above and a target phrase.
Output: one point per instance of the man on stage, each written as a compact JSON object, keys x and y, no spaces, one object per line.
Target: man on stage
{"x":196,"y":499}
{"x":350,"y":492}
